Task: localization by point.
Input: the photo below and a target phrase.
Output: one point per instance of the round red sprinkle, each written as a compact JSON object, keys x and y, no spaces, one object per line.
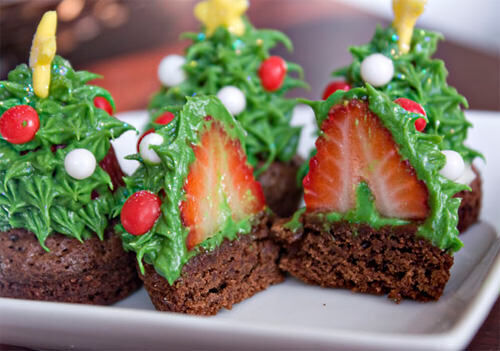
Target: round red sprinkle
{"x":19,"y":124}
{"x":334,"y":86}
{"x":414,"y":107}
{"x":420,"y":124}
{"x":272,"y":73}
{"x":165,"y":118}
{"x":140,"y":212}
{"x":103,"y":103}
{"x":410,"y":106}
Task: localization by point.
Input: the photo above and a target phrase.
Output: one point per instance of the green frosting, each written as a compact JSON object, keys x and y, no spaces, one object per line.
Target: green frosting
{"x":423,"y":153}
{"x":365,"y":211}
{"x":36,"y":193}
{"x":164,"y":246}
{"x":420,"y":78}
{"x":295,"y":223}
{"x":227,"y":59}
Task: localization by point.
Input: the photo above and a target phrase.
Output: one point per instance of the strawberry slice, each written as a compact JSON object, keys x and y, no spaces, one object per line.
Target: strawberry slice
{"x":354,"y":147}
{"x":219,"y":177}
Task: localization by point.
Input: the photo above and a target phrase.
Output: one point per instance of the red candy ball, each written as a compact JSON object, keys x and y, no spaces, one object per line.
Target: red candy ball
{"x":272,"y":73}
{"x":165,"y":118}
{"x":103,"y":103}
{"x":140,"y":212}
{"x":412,"y":106}
{"x":334,"y":86}
{"x":149,"y":131}
{"x":420,"y":124}
{"x":19,"y":124}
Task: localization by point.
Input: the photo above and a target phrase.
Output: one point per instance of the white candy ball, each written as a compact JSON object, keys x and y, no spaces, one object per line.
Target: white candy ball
{"x":80,"y":163}
{"x":148,"y":154}
{"x":467,"y":176}
{"x":454,"y":166}
{"x":233,"y":98}
{"x":377,"y":70}
{"x":170,"y":72}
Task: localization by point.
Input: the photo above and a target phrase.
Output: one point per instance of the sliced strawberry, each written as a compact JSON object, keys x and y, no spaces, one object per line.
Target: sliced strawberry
{"x":354,"y":147}
{"x":220,"y":176}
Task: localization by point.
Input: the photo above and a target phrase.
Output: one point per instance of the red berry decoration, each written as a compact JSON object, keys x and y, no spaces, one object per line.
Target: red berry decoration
{"x":149,"y":131}
{"x":140,"y":212}
{"x":414,"y":107}
{"x":272,"y":73}
{"x":103,"y":103}
{"x":165,"y":118}
{"x":19,"y":124}
{"x":334,"y":86}
{"x":410,"y":106}
{"x":420,"y":124}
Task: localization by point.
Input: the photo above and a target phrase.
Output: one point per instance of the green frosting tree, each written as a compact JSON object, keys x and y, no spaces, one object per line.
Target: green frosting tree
{"x":422,"y":152}
{"x":227,"y":59}
{"x":419,"y":77}
{"x":164,"y":243}
{"x":36,"y":191}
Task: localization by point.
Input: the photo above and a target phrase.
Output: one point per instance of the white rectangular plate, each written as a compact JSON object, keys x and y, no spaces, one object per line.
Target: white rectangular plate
{"x":292,"y":314}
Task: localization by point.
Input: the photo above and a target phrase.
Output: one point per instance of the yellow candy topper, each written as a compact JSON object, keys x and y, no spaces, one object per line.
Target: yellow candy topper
{"x":406,"y":13}
{"x":43,"y":50}
{"x":227,"y":13}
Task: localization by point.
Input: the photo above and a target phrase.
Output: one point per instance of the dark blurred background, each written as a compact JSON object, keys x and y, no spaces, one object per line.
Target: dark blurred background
{"x":124,"y":40}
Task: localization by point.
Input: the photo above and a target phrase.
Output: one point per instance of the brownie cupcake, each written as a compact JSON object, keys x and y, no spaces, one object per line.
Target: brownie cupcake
{"x":399,"y":61}
{"x":58,"y":173}
{"x":380,"y":215}
{"x":196,"y":217}
{"x":231,"y":59}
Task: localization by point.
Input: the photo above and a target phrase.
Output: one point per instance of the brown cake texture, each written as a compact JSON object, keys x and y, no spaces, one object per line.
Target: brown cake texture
{"x":217,"y":279}
{"x":93,"y":272}
{"x":468,"y":212}
{"x":389,"y":260}
{"x":279,"y":184}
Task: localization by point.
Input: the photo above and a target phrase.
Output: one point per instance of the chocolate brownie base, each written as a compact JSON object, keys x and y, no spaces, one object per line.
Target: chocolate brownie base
{"x":279,"y":183}
{"x":220,"y":278}
{"x":468,"y":212}
{"x":93,"y":272}
{"x":390,"y":260}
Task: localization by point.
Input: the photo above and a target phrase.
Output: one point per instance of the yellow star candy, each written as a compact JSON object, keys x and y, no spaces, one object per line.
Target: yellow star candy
{"x":406,"y":13}
{"x":43,"y":50}
{"x":227,"y":13}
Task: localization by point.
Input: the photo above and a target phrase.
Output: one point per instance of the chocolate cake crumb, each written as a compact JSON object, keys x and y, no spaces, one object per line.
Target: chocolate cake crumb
{"x":279,"y":183}
{"x":389,"y":260}
{"x":218,"y":279}
{"x":468,"y":212}
{"x":93,"y":272}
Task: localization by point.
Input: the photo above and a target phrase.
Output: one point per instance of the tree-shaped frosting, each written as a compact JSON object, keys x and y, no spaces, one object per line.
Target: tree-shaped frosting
{"x":222,"y":59}
{"x":373,"y":166}
{"x":194,"y":188}
{"x":419,"y":77}
{"x":37,"y":191}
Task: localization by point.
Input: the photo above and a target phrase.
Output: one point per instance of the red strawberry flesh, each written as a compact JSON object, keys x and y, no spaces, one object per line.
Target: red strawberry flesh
{"x":219,"y":176}
{"x":355,"y":147}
